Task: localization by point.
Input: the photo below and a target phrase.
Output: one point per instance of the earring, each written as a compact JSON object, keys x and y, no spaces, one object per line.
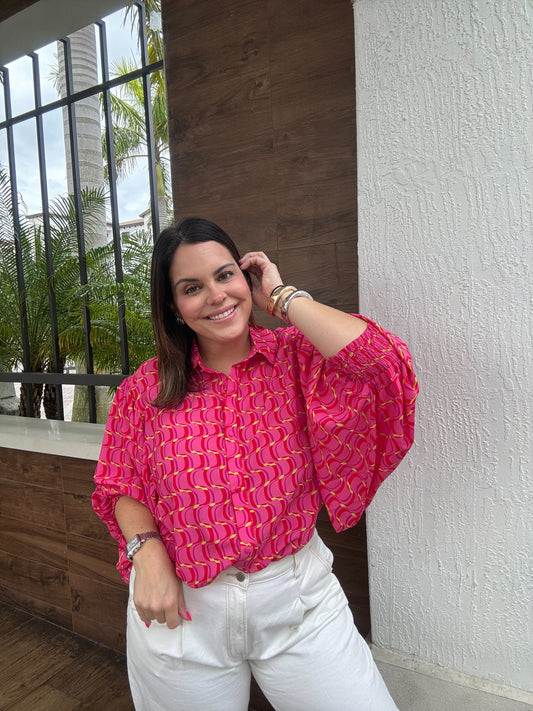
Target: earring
{"x":179,"y":320}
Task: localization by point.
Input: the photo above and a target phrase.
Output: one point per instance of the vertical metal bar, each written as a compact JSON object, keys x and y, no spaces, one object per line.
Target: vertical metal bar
{"x":79,"y":222}
{"x":112,"y":177}
{"x":152,"y":174}
{"x":52,"y":304}
{"x":26,"y":349}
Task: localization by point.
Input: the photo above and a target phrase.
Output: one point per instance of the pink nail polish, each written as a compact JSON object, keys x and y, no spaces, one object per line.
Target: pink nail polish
{"x":147,"y":624}
{"x":188,"y":615}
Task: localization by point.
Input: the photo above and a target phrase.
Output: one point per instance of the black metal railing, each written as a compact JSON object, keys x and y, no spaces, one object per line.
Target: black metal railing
{"x":58,"y":378}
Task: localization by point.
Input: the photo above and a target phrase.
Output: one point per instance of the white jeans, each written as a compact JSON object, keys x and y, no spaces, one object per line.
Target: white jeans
{"x":289,"y":625}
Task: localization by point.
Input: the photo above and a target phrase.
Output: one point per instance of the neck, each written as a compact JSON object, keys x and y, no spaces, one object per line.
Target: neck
{"x":222,"y":357}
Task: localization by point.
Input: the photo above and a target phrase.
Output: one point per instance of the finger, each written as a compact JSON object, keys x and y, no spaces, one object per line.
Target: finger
{"x":253,"y":258}
{"x":182,"y":608}
{"x":145,"y":617}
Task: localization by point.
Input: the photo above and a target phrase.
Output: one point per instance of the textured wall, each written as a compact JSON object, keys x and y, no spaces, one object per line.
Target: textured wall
{"x":445,"y":251}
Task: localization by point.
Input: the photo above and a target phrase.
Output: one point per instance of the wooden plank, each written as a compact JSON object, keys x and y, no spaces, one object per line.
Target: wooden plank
{"x":309,"y":36}
{"x":103,"y":633}
{"x":36,"y":580}
{"x":78,"y":475}
{"x":94,"y":559}
{"x":54,"y":613}
{"x":97,"y":679}
{"x":81,"y":519}
{"x":318,"y":213}
{"x":242,"y":165}
{"x":182,"y":17}
{"x":31,"y":468}
{"x":34,"y":543}
{"x":32,"y":504}
{"x":33,"y":669}
{"x":93,"y":676}
{"x":300,"y":267}
{"x":45,"y":698}
{"x":99,"y":610}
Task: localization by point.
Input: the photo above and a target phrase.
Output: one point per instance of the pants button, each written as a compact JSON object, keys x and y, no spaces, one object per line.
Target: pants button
{"x":241,"y":577}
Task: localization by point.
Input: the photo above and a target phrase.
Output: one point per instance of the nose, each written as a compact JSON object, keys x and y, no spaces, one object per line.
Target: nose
{"x":216,"y":294}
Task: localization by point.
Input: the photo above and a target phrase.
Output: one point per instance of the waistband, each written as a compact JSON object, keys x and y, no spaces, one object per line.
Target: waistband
{"x":272,"y":570}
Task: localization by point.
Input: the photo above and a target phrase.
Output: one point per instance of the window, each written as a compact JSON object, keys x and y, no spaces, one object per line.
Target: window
{"x":71,"y":130}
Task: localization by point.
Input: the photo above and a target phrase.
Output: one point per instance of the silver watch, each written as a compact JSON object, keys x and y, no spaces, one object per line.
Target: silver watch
{"x":133,"y":545}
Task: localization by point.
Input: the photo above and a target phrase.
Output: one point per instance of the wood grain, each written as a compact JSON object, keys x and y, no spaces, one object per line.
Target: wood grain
{"x":43,"y":667}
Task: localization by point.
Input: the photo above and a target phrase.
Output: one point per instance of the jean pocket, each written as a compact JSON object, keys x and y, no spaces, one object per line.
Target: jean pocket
{"x":314,"y":572}
{"x":321,"y":552}
{"x":158,"y":641}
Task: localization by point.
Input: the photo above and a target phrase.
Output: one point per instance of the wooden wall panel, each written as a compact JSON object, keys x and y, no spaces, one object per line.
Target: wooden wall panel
{"x":262,"y":130}
{"x":57,"y":559}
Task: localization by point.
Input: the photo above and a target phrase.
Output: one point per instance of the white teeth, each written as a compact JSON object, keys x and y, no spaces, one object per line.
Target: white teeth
{"x":223,"y":315}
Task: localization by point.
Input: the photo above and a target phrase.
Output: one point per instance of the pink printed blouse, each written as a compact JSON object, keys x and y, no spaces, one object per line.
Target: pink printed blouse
{"x":237,"y":474}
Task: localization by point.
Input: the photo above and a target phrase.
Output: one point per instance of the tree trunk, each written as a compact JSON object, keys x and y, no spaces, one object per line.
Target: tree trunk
{"x":88,"y":129}
{"x":34,"y":409}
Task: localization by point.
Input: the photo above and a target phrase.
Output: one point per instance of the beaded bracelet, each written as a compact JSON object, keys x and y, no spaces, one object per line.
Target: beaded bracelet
{"x":294,"y":295}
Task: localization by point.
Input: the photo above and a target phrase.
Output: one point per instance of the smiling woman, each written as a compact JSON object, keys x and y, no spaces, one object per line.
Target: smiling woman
{"x":216,"y":303}
{"x":217,"y":457}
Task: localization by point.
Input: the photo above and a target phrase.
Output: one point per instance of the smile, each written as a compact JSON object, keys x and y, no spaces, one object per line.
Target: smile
{"x":222,"y":315}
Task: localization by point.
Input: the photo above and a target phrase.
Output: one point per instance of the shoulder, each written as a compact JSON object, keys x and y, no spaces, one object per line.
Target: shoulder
{"x":141,"y":387}
{"x":283,"y":346}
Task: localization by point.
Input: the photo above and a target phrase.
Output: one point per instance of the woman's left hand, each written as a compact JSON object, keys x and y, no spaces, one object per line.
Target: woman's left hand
{"x":266,"y":273}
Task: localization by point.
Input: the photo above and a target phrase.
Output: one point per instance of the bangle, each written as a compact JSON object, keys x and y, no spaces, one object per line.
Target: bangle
{"x":293,"y":295}
{"x":272,"y":298}
{"x":275,"y":289}
{"x":277,"y":296}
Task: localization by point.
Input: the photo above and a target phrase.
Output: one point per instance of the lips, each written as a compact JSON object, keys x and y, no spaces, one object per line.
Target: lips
{"x":224,"y":314}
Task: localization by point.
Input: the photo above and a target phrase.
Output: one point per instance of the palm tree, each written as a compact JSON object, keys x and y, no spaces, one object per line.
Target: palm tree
{"x":38,"y":285}
{"x":130,"y":143}
{"x":103,"y":295}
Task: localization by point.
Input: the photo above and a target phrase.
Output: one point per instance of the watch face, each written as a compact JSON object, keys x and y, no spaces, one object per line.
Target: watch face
{"x":133,"y":546}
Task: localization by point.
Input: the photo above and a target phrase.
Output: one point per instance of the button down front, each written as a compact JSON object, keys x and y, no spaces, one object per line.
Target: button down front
{"x":236,"y":476}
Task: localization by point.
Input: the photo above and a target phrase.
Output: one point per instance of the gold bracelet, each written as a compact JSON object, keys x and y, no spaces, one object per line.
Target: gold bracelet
{"x":277,"y":298}
{"x":272,"y":298}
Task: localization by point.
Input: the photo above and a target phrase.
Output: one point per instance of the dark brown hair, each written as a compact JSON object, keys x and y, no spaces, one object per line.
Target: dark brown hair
{"x":174,"y":341}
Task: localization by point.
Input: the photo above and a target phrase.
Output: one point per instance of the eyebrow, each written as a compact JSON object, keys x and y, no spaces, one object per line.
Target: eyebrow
{"x":193,"y":279}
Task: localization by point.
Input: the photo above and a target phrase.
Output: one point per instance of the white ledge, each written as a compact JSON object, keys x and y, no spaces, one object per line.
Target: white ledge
{"x":68,"y":439}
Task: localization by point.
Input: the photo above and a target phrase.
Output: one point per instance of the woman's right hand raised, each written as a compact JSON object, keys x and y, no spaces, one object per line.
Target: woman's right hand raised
{"x":157,"y":592}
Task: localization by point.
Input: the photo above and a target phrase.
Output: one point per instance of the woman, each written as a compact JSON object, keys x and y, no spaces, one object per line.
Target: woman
{"x":218,"y":455}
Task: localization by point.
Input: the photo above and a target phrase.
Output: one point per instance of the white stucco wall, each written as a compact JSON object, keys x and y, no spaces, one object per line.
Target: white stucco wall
{"x":445,"y":240}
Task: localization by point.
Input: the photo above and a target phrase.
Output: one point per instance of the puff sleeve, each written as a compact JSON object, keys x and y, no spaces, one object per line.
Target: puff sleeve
{"x":360,"y":412}
{"x":122,"y":466}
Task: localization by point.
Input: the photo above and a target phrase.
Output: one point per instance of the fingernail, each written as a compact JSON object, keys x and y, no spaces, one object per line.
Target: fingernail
{"x":147,"y":624}
{"x":188,"y":615}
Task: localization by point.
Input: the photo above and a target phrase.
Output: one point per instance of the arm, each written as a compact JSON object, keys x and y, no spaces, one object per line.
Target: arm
{"x":158,"y":592}
{"x":328,"y":329}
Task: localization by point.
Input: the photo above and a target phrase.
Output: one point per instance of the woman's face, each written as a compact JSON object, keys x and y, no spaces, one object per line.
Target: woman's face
{"x":211,"y":294}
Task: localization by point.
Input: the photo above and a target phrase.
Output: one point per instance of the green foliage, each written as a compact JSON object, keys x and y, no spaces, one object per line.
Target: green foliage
{"x":101,"y":294}
{"x":38,"y":284}
{"x":104,"y":296}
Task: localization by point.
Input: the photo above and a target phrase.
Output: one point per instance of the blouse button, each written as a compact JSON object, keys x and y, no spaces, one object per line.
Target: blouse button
{"x":241,"y":577}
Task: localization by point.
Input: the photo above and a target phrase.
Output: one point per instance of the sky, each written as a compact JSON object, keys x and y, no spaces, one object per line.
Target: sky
{"x":133,"y":191}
